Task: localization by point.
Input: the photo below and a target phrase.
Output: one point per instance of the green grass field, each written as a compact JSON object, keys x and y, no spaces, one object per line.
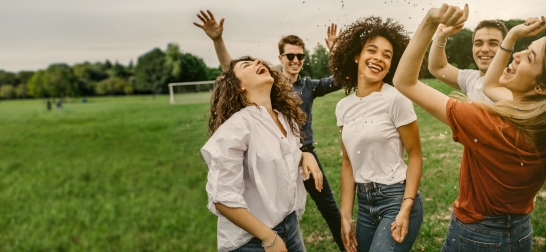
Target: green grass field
{"x":126,"y":174}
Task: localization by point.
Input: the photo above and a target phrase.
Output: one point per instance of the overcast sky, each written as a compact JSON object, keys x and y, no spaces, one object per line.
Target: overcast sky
{"x":36,"y":33}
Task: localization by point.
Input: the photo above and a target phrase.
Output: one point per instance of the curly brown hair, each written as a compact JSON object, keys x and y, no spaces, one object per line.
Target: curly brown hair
{"x":350,"y":44}
{"x":228,"y":97}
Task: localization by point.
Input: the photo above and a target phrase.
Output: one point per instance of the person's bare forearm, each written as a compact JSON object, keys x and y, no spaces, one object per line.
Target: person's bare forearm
{"x":245,"y":220}
{"x":222,"y":53}
{"x":413,"y":180}
{"x":348,"y":187}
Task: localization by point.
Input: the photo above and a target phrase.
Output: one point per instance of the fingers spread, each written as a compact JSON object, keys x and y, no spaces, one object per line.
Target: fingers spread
{"x":198,"y":25}
{"x":201,"y":18}
{"x":210,"y":15}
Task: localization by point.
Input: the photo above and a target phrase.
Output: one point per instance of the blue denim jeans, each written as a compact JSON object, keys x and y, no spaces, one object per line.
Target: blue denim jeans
{"x":288,"y":230}
{"x":494,"y":233}
{"x":326,"y":204}
{"x":378,"y":206}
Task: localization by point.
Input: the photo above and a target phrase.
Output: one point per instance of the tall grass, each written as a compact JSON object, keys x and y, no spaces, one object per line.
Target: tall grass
{"x":126,"y":174}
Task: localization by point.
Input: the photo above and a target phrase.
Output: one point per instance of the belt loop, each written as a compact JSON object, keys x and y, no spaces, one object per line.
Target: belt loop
{"x":508,"y":220}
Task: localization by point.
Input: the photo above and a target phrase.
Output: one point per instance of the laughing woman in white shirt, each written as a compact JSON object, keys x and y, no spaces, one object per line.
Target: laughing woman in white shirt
{"x":376,"y":123}
{"x":256,"y":169}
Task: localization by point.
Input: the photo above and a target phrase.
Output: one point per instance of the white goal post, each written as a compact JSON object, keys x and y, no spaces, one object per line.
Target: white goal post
{"x":171,"y":89}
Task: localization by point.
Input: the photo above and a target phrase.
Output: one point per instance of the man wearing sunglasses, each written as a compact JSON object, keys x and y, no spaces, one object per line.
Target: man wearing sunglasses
{"x":291,"y":56}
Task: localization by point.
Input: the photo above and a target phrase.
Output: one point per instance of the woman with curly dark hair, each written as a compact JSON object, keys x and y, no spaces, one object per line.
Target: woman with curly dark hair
{"x":376,"y":123}
{"x":254,"y":184}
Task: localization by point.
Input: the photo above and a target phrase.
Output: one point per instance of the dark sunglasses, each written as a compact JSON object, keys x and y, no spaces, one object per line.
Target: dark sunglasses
{"x":290,"y":56}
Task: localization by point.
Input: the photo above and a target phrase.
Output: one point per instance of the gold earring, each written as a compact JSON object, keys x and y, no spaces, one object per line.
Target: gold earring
{"x":356,"y":61}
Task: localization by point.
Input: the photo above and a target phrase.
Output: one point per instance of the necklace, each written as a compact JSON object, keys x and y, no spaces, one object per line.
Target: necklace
{"x":362,"y":96}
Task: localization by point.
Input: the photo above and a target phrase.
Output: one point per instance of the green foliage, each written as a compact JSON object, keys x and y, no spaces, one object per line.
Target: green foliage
{"x":307,"y":69}
{"x":319,"y":62}
{"x":459,"y":49}
{"x":151,"y":73}
{"x":21,"y":91}
{"x":7,"y":91}
{"x":113,"y":86}
{"x":59,"y":81}
{"x":7,"y":78}
{"x":35,"y":85}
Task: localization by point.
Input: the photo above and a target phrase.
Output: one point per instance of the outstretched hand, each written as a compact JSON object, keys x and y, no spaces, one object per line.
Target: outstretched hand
{"x":332,"y":35}
{"x":210,"y":26}
{"x":531,"y":27}
{"x":447,"y":15}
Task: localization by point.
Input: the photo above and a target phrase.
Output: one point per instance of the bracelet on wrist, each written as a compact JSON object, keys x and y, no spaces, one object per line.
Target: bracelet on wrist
{"x":508,"y":50}
{"x":439,"y":44}
{"x":271,"y":243}
{"x":411,"y":198}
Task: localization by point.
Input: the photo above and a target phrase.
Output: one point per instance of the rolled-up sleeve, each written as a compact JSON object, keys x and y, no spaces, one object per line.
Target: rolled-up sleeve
{"x":224,"y":153}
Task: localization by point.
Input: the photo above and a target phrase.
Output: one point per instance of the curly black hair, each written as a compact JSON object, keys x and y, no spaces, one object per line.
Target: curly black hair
{"x":350,"y":44}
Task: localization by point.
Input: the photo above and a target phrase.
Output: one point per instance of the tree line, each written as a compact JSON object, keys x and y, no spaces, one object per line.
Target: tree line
{"x":156,"y":68}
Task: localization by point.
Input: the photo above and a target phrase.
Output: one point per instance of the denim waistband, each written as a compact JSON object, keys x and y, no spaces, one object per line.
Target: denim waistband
{"x":505,"y":218}
{"x":361,"y":187}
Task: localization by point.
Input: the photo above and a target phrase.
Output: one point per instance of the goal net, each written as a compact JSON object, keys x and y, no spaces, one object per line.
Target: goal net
{"x":190,"y":92}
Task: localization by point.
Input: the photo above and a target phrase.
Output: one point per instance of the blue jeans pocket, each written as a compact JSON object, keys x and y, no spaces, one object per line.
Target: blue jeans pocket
{"x":526,"y":243}
{"x":467,"y":244}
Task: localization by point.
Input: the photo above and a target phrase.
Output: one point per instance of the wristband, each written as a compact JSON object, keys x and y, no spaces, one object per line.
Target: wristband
{"x":439,"y":44}
{"x":411,"y":198}
{"x":273,"y":241}
{"x":508,"y":50}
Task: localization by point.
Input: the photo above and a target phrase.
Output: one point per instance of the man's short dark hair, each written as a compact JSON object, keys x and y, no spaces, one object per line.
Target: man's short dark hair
{"x":290,"y":39}
{"x":495,"y":24}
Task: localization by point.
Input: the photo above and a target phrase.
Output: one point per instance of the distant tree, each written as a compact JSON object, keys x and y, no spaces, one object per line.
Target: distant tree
{"x":459,"y":50}
{"x":150,"y":72}
{"x":113,"y":86}
{"x":35,"y":86}
{"x":307,"y":69}
{"x":108,"y":64}
{"x":213,"y":73}
{"x":118,"y":71}
{"x":173,"y":61}
{"x":193,"y":69}
{"x":21,"y":90}
{"x":23,"y":77}
{"x":7,"y":91}
{"x":60,"y":81}
{"x":319,"y":62}
{"x":7,"y":78}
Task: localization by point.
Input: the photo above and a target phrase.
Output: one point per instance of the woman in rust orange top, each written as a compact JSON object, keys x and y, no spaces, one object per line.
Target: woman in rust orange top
{"x":504,"y":157}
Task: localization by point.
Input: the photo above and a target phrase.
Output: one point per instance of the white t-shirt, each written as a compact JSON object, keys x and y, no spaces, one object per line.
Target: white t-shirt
{"x":371,"y":137}
{"x":252,"y":165}
{"x":471,"y":83}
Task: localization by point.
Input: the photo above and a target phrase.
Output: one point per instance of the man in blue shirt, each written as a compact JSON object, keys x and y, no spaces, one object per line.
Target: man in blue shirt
{"x":291,"y":56}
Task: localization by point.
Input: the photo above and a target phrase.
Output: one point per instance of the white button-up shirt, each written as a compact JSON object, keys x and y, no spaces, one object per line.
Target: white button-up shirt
{"x":252,"y":165}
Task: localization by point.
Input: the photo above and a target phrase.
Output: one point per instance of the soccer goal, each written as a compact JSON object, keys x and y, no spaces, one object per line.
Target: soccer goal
{"x":187,"y":92}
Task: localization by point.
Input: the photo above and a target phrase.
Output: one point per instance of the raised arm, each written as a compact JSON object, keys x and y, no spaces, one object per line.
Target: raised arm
{"x":214,"y":31}
{"x":406,"y":76}
{"x":491,"y":86}
{"x":331,"y":35}
{"x":437,"y":59}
